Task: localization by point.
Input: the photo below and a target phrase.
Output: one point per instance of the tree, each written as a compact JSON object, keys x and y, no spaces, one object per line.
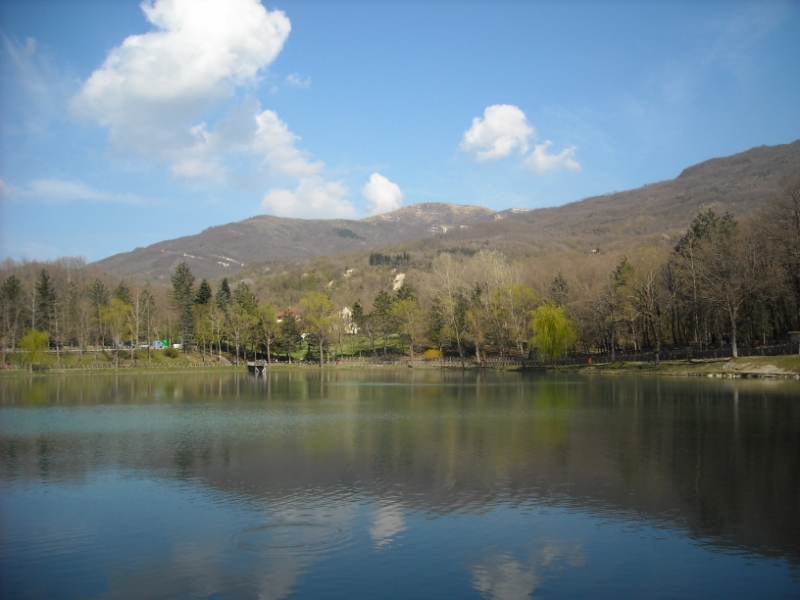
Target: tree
{"x":182,"y":297}
{"x":240,"y":324}
{"x":381,"y":317}
{"x":203,"y":328}
{"x":268,"y":327}
{"x":123,"y":293}
{"x":782,"y":230}
{"x":559,"y":291}
{"x":450,"y":296}
{"x":11,"y":306}
{"x":204,"y":293}
{"x":147,"y":311}
{"x":245,"y":298}
{"x":553,"y":332}
{"x":727,"y":268}
{"x":223,"y":295}
{"x":410,"y":320}
{"x":318,"y":315}
{"x":289,"y":338}
{"x":99,"y":297}
{"x":45,"y":303}
{"x":34,"y":342}
{"x":116,"y":317}
{"x":516,"y":302}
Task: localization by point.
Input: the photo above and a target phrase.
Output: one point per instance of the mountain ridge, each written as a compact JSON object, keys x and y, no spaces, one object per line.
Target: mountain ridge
{"x":736,"y":183}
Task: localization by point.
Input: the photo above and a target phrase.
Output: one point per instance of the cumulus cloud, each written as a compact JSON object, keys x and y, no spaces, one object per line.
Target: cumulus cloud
{"x":540,"y":161}
{"x":502,"y":130}
{"x":382,"y":195}
{"x":152,"y":90}
{"x":313,"y":198}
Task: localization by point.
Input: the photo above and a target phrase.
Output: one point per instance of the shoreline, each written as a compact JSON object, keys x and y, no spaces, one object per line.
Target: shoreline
{"x":754,"y":367}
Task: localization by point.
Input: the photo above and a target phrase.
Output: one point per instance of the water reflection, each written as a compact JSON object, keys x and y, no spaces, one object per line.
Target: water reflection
{"x":267,"y":486}
{"x":503,"y":577}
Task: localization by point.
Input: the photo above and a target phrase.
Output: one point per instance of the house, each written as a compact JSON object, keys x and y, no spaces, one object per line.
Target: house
{"x":295,"y":311}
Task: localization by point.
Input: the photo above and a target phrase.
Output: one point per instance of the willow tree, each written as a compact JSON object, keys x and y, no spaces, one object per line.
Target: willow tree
{"x":35,"y":342}
{"x":553,"y":332}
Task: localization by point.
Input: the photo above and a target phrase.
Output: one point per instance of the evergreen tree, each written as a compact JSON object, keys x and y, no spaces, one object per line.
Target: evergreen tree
{"x":289,"y":337}
{"x":223,"y":295}
{"x":405,"y":292}
{"x":245,"y":298}
{"x":123,"y":293}
{"x":559,"y":290}
{"x":203,"y":293}
{"x":45,"y":302}
{"x":383,"y":320}
{"x":11,"y":304}
{"x":182,"y":296}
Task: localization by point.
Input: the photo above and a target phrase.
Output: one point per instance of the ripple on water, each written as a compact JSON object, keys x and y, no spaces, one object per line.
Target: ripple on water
{"x":295,"y":537}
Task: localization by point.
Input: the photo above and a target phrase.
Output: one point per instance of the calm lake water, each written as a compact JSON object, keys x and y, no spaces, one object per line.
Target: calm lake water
{"x":398,"y":484}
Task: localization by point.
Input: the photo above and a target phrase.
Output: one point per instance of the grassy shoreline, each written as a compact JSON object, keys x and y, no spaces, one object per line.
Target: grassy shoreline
{"x":751,"y":367}
{"x":779,"y":367}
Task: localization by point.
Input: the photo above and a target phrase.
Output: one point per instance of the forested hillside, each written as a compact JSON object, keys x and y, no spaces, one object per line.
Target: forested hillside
{"x":651,"y":214}
{"x":664,"y":266}
{"x":725,"y":282}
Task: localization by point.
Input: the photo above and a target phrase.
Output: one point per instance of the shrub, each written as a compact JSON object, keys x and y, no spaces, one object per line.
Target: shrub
{"x":432,"y":354}
{"x":171,"y":353}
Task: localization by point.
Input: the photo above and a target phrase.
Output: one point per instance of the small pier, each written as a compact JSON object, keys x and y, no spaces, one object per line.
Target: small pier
{"x":256,"y":367}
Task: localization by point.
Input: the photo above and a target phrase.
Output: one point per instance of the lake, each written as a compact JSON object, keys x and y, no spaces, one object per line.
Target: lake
{"x":398,"y":484}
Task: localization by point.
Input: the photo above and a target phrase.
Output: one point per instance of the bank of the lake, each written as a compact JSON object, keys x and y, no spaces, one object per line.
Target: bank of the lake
{"x":751,"y":367}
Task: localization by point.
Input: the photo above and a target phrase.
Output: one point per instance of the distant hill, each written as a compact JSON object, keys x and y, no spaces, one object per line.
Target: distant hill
{"x":223,"y":250}
{"x":659,"y":211}
{"x":656,"y":212}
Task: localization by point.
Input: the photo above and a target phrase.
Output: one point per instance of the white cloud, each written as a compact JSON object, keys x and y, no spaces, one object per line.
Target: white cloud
{"x":249,"y":131}
{"x":297,"y":81}
{"x":274,"y":140}
{"x":382,"y":195}
{"x":314,"y":198}
{"x":387,"y":522}
{"x":3,"y":190}
{"x":152,"y":89}
{"x":502,"y":130}
{"x":540,"y":161}
{"x":56,"y":190}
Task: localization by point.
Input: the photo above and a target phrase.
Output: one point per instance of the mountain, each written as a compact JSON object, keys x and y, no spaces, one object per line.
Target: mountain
{"x":222,"y":250}
{"x":660,"y":211}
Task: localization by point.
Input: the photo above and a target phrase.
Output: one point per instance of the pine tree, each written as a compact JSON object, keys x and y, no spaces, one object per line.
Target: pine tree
{"x":45,"y":302}
{"x":123,"y":293}
{"x":182,"y":296}
{"x":204,"y":293}
{"x":223,"y":295}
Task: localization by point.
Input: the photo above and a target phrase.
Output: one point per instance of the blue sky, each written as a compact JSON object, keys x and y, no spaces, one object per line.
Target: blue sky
{"x":127,"y":123}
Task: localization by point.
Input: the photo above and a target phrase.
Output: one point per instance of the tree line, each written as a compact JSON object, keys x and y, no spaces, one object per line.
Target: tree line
{"x":725,"y":282}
